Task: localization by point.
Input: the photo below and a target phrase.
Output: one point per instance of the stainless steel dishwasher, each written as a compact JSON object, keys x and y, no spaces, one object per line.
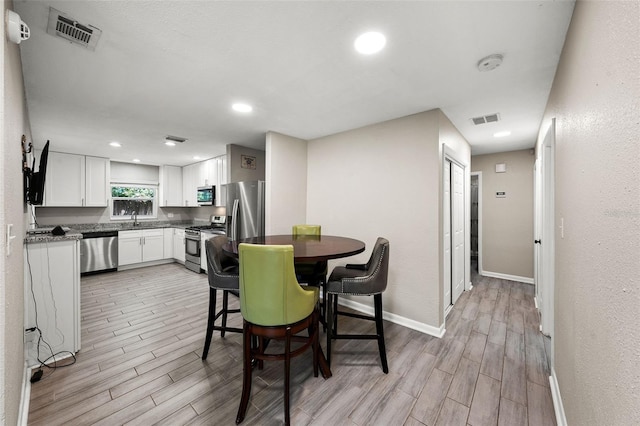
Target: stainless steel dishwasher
{"x":98,"y":251}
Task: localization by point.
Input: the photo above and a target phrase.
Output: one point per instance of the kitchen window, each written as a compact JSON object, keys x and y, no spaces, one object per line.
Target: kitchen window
{"x":127,"y":200}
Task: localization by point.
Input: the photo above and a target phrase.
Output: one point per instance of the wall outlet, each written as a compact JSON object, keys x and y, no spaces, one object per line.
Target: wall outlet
{"x":169,"y":215}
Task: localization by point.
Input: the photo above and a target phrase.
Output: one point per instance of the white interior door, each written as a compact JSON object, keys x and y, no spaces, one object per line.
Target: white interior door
{"x":447,"y":234}
{"x":547,"y":243}
{"x":457,"y":228}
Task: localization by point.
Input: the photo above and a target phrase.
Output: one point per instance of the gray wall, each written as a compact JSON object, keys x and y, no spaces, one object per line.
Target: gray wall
{"x":14,"y":123}
{"x":596,"y":101}
{"x":507,"y":223}
{"x":234,"y":164}
{"x":385,"y":180}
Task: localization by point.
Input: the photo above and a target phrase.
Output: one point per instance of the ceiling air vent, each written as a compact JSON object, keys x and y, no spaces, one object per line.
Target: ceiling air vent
{"x":491,"y":118}
{"x":175,"y":139}
{"x":64,"y":26}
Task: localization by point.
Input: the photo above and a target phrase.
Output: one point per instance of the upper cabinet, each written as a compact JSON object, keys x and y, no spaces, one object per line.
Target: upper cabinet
{"x":171,"y":186}
{"x":96,"y":181}
{"x":211,"y":172}
{"x":76,"y":181}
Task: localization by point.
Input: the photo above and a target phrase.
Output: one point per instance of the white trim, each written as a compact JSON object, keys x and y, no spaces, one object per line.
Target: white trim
{"x":396,"y":319}
{"x":526,"y":280}
{"x":25,"y":396}
{"x":558,"y":408}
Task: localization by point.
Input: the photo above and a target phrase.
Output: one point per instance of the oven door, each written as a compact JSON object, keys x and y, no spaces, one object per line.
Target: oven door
{"x":192,"y":248}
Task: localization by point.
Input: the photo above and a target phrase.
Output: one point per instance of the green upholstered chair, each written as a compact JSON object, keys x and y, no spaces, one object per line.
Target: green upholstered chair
{"x":275,"y":307}
{"x":223,"y":275}
{"x":312,"y":273}
{"x":314,"y":230}
{"x":369,"y":279}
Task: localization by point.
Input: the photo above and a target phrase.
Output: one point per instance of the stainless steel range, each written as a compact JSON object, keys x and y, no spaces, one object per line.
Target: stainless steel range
{"x":194,"y":249}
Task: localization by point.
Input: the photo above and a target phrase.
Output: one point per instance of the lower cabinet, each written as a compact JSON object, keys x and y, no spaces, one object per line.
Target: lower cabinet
{"x":140,"y":246}
{"x":178,"y":244}
{"x":52,"y":286}
{"x":168,"y":243}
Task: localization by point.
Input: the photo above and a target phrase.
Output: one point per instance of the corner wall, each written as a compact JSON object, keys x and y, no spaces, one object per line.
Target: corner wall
{"x":14,"y":123}
{"x":507,"y":223}
{"x":384,"y":180}
{"x":595,"y":99}
{"x":286,"y":183}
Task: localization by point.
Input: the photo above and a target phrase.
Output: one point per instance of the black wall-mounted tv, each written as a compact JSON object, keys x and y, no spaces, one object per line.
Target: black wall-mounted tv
{"x":35,"y":189}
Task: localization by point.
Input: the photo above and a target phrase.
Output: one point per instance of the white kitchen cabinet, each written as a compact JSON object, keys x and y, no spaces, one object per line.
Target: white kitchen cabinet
{"x":129,"y":247}
{"x":203,"y":251}
{"x":64,"y":185}
{"x":140,"y":246}
{"x":171,"y":186}
{"x":168,"y":243}
{"x":76,"y":181}
{"x":152,"y":244}
{"x":221,"y":179}
{"x":96,"y":181}
{"x":190,"y":179}
{"x":178,"y":244}
{"x":52,"y":278}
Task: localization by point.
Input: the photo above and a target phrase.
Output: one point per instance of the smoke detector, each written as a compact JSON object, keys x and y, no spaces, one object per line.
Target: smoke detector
{"x":17,"y":30}
{"x":64,"y":26}
{"x":489,"y":63}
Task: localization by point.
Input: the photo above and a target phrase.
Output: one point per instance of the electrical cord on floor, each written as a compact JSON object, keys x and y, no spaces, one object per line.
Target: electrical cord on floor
{"x":37,"y":375}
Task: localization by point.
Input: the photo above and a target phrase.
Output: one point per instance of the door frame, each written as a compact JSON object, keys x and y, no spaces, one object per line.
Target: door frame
{"x":451,"y":155}
{"x":479,"y":175}
{"x":544,"y":258}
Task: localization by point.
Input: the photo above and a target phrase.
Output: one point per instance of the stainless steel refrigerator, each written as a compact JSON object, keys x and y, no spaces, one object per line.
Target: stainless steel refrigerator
{"x":245,"y":209}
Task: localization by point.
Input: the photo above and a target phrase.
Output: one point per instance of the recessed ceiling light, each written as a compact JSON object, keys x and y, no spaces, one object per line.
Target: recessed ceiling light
{"x":170,"y":143}
{"x":502,"y":134}
{"x":136,"y":160}
{"x":240,"y":107}
{"x":369,"y":43}
{"x":115,"y":144}
{"x":195,"y":157}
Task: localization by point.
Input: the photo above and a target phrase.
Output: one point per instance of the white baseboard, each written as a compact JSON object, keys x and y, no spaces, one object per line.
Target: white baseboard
{"x":397,"y":319}
{"x":526,"y":280}
{"x":25,"y":396}
{"x":561,"y":419}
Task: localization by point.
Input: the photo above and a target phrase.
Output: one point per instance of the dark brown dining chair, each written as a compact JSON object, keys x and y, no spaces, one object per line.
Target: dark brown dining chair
{"x":274,"y":307}
{"x":369,"y":279}
{"x":223,"y":274}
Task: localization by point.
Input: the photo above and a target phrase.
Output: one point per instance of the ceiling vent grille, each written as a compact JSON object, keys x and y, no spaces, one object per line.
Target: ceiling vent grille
{"x":64,"y":26}
{"x":491,"y":118}
{"x":176,"y":139}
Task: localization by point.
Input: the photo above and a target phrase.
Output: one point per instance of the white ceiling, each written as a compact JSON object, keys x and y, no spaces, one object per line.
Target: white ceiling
{"x":175,"y":67}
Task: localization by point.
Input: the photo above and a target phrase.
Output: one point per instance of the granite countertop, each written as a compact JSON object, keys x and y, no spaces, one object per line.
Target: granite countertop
{"x":75,"y":230}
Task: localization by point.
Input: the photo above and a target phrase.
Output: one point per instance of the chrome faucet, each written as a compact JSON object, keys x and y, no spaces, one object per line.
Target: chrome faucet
{"x":134,"y":216}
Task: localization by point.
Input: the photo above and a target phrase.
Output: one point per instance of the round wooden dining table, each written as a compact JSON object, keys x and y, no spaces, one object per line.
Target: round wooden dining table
{"x":306,"y":248}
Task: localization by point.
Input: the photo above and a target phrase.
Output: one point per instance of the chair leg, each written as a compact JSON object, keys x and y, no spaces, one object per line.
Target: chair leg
{"x":246,"y":372}
{"x":287,"y":372}
{"x":329,"y":325}
{"x":225,"y":302}
{"x":315,"y":342}
{"x":377,"y":301}
{"x":210,"y":322}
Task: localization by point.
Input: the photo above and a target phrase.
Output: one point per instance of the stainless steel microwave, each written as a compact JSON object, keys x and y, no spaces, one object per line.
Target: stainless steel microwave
{"x":206,"y":195}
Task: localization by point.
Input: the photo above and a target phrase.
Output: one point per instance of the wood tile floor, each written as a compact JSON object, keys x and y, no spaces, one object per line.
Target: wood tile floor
{"x":143,"y":332}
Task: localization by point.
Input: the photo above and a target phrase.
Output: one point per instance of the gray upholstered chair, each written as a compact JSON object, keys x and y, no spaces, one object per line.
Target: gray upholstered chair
{"x":369,"y":279}
{"x":223,"y":274}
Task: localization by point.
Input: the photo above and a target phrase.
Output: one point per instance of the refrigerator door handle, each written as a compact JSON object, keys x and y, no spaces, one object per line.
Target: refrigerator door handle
{"x":234,"y":219}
